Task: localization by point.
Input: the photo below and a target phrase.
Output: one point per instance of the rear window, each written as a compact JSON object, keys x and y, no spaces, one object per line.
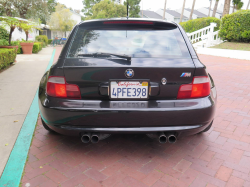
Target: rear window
{"x":137,"y":43}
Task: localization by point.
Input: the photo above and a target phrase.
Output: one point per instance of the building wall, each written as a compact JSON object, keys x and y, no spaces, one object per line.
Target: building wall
{"x":168,"y":17}
{"x":76,"y":17}
{"x":19,"y":35}
{"x":186,"y":13}
{"x":206,"y":10}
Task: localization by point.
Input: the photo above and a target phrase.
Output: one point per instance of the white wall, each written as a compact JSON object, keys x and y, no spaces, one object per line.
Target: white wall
{"x":168,"y":17}
{"x":76,"y":17}
{"x":19,"y":35}
{"x":186,"y":13}
{"x":206,"y":10}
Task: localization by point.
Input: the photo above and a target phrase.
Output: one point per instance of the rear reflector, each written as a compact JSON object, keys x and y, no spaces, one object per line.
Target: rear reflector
{"x":200,"y":87}
{"x":128,"y":22}
{"x":57,"y":87}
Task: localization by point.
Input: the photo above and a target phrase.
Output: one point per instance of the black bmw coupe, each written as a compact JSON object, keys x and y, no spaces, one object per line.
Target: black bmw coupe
{"x":127,"y":76}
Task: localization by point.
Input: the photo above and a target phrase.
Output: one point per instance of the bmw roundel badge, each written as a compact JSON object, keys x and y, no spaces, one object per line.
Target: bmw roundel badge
{"x":129,"y":73}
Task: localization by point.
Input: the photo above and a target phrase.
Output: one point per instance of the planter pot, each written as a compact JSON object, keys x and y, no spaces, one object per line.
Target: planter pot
{"x":27,"y":47}
{"x":10,"y":47}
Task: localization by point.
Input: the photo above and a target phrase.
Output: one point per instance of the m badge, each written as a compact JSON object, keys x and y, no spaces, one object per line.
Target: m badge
{"x":186,"y":74}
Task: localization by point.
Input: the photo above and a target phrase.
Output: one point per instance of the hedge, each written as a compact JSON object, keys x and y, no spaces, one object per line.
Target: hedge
{"x":37,"y":47}
{"x":4,"y":34}
{"x":42,"y":38}
{"x":196,"y":24}
{"x":236,"y":26}
{"x":50,"y":41}
{"x":7,"y":56}
{"x":15,"y":43}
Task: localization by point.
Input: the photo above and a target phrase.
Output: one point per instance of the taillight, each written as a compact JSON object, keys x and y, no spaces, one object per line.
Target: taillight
{"x":58,"y":87}
{"x":200,"y":87}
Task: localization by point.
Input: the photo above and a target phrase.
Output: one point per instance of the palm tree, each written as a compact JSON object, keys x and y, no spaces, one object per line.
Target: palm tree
{"x":191,"y":14}
{"x":239,"y":5}
{"x":215,"y":8}
{"x":184,"y":1}
{"x":209,"y":8}
{"x":164,"y":9}
{"x":235,"y":3}
{"x":226,"y":8}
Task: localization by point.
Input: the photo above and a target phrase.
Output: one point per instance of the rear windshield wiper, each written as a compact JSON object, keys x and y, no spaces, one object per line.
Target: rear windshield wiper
{"x":106,"y":55}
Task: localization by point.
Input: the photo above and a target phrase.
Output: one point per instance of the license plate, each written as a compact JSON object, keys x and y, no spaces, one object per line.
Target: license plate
{"x":129,"y":89}
{"x":115,"y":104}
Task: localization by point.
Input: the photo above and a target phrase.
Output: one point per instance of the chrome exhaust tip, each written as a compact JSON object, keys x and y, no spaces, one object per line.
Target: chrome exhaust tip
{"x":172,"y":138}
{"x":162,"y":138}
{"x":85,"y":138}
{"x":95,"y":138}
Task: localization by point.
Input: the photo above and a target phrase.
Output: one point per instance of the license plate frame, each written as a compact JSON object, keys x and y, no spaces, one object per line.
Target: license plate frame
{"x":131,"y":80}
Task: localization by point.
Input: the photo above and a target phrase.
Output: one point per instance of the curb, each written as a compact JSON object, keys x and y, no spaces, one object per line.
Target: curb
{"x":13,"y":170}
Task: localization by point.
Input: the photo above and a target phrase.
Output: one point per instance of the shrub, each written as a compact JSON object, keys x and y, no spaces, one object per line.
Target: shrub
{"x":4,"y":34}
{"x":196,"y":24}
{"x":7,"y":56}
{"x":42,"y":38}
{"x":236,"y":27}
{"x":3,"y":42}
{"x":36,"y":47}
{"x":15,"y":43}
{"x":50,"y":41}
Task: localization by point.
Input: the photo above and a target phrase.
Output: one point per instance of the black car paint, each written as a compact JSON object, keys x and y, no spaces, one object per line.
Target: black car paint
{"x":93,"y":112}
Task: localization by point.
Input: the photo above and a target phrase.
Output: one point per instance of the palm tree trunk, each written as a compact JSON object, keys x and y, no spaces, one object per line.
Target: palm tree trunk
{"x":233,"y":8}
{"x":248,"y":4}
{"x":226,"y":8}
{"x":192,"y":11}
{"x":215,"y":8}
{"x":163,"y":17}
{"x":209,"y":8}
{"x":184,"y":1}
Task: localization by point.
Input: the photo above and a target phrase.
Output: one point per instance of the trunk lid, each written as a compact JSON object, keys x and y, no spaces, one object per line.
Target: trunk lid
{"x":92,"y":75}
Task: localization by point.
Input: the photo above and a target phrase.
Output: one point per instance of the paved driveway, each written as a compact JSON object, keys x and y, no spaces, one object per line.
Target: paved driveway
{"x":220,"y":157}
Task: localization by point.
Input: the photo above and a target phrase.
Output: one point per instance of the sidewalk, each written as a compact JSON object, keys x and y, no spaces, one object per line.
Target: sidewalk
{"x":18,"y":85}
{"x":237,"y":54}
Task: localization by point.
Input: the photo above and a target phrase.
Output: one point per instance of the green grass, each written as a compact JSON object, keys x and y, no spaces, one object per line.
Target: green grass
{"x":233,"y":46}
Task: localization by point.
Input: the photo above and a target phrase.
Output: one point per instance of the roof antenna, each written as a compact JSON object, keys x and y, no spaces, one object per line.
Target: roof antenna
{"x":127,"y":9}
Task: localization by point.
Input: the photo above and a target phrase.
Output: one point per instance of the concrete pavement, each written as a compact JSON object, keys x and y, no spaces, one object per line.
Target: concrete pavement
{"x":237,"y":54}
{"x":18,"y":86}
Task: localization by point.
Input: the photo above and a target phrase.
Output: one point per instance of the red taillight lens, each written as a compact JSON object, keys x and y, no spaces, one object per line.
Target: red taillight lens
{"x":57,"y":87}
{"x":200,"y":87}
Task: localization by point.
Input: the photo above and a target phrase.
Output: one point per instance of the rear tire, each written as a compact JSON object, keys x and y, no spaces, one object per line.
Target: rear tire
{"x":46,"y":127}
{"x":207,"y":129}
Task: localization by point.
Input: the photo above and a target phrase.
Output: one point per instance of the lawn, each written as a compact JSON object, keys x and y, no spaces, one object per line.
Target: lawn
{"x":233,"y":46}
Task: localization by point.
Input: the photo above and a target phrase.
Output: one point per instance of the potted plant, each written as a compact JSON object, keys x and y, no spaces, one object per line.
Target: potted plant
{"x":12,"y":23}
{"x":27,"y":46}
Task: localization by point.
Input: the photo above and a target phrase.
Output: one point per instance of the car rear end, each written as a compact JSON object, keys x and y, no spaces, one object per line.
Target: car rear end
{"x":127,"y":76}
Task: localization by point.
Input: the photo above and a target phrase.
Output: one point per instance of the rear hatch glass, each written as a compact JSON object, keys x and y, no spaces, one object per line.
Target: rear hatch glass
{"x":136,"y":41}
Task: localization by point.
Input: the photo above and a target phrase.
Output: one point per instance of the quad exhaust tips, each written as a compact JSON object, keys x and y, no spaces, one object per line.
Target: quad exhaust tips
{"x":164,"y":138}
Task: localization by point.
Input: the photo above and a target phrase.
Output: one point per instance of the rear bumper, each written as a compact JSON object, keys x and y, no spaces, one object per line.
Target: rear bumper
{"x":72,"y":117}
